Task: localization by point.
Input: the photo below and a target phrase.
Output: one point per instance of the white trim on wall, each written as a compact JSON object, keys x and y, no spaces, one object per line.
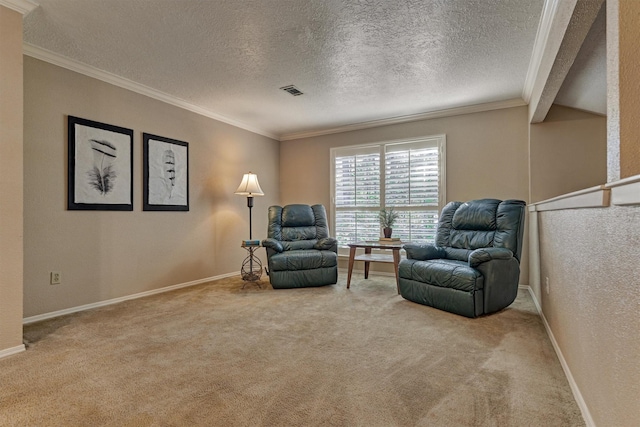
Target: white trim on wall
{"x":20,"y":6}
{"x":53,"y":314}
{"x":625,"y":191}
{"x":78,"y":67}
{"x":563,"y":362}
{"x":544,"y":29}
{"x":12,"y":350}
{"x":105,"y":76}
{"x":594,"y":197}
{"x":478,"y":108}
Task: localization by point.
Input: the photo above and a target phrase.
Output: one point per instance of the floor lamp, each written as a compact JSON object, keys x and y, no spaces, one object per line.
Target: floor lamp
{"x":251,"y":267}
{"x":249,"y":187}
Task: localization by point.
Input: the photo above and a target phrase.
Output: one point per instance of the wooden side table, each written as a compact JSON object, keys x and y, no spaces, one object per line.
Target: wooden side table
{"x":368,"y":257}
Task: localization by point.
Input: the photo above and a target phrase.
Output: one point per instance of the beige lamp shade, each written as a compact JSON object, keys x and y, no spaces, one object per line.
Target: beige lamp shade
{"x":249,"y":186}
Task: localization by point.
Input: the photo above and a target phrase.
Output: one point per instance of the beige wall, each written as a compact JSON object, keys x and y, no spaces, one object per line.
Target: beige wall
{"x":11,"y":181}
{"x":105,"y":255}
{"x":568,"y":153}
{"x":591,"y":259}
{"x":487,"y":156}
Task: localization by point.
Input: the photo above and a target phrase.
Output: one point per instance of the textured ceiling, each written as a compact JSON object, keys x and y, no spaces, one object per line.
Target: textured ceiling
{"x":355,"y":61}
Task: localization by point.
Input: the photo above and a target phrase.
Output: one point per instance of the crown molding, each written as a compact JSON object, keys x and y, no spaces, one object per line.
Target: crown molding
{"x":542,"y":36}
{"x":20,"y":6}
{"x":477,"y":108}
{"x":90,"y":71}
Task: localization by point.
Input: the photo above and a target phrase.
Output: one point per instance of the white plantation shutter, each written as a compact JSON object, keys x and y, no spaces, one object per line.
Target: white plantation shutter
{"x":353,"y":226}
{"x":357,"y":180}
{"x":357,"y":185}
{"x":412,"y":180}
{"x":407,"y":176}
{"x":411,"y":177}
{"x":416,"y":226}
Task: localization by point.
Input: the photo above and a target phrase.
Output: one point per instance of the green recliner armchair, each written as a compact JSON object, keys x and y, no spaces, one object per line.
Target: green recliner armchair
{"x":300,"y":252}
{"x":474,"y":266}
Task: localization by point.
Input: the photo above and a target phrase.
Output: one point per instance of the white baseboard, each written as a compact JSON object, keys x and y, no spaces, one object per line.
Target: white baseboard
{"x":565,"y":367}
{"x":46,"y":316}
{"x":12,"y":350}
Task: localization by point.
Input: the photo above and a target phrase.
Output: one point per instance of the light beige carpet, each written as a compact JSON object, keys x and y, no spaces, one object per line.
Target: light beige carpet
{"x":219,"y":355}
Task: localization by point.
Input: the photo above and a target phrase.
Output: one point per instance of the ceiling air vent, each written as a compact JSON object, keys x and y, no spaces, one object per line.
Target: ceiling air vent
{"x":291,"y":89}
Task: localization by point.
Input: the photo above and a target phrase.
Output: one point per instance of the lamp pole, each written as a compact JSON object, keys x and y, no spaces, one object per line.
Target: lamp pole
{"x":250,"y":205}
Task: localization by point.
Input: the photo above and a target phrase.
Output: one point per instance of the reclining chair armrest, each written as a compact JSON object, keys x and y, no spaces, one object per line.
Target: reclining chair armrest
{"x":424,"y":252}
{"x":327,"y":244}
{"x":273,"y":244}
{"x":481,"y":255}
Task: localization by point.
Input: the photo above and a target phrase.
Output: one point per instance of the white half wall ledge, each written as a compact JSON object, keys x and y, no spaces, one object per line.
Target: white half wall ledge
{"x":625,"y":192}
{"x":20,"y":6}
{"x":593,"y":197}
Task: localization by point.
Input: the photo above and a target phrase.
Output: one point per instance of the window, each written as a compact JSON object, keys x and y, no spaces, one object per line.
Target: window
{"x":407,"y":176}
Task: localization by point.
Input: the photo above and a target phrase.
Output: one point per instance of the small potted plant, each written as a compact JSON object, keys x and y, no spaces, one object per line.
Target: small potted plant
{"x":387,"y":219}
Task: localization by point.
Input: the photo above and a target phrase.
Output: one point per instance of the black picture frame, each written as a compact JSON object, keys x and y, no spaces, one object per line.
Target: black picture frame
{"x":165,"y":174}
{"x":100,"y":166}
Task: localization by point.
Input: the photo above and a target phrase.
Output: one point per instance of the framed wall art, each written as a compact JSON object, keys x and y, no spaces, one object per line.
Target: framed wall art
{"x":166,"y":174}
{"x":100,"y":167}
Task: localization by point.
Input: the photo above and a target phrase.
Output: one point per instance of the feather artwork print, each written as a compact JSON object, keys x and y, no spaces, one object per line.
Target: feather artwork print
{"x":102,"y":175}
{"x":165,"y":174}
{"x":169,"y":167}
{"x":100,"y":166}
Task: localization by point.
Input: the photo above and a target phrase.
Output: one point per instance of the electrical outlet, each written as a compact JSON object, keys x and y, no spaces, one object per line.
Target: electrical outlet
{"x":546,"y":285}
{"x":56,"y":277}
